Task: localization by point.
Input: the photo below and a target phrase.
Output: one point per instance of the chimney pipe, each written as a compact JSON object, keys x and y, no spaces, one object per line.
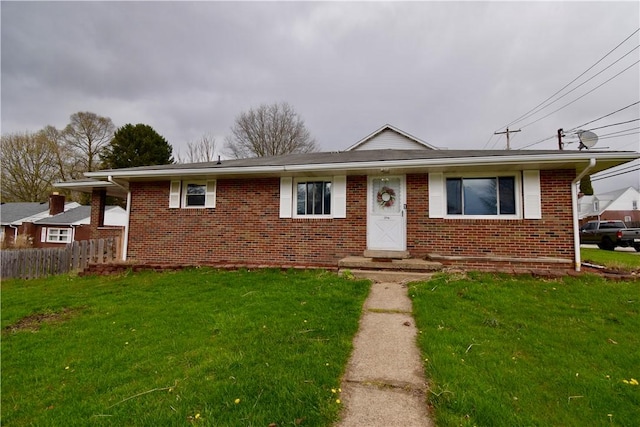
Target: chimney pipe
{"x":56,"y":204}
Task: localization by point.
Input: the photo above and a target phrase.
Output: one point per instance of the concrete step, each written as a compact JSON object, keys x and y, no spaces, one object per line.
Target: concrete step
{"x":388,"y":275}
{"x":386,"y":254}
{"x":410,"y":264}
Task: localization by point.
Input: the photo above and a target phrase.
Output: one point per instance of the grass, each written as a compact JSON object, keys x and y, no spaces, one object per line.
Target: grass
{"x":616,"y":260}
{"x":198,"y":347}
{"x":518,"y":351}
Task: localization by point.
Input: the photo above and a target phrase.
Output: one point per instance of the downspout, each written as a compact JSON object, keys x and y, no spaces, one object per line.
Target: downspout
{"x":125,"y":244}
{"x":15,"y":232}
{"x":574,"y":208}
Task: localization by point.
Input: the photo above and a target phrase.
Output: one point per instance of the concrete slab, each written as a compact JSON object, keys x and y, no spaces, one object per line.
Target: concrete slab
{"x":384,"y":384}
{"x":371,"y":406}
{"x":388,"y":296}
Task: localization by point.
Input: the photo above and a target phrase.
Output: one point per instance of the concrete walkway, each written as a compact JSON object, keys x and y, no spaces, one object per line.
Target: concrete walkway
{"x":384,"y":384}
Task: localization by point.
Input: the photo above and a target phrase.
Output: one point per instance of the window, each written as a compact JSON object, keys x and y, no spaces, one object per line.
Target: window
{"x":317,"y":197}
{"x":634,"y":205}
{"x":313,"y":198}
{"x":192,"y":194}
{"x":58,"y":235}
{"x":481,"y":196}
{"x":596,"y":205}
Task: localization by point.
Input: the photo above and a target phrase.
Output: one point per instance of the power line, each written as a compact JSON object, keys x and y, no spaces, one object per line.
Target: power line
{"x":572,"y":81}
{"x":577,"y":87}
{"x":619,"y":131}
{"x":611,"y":171}
{"x":615,"y":124}
{"x":607,"y":115}
{"x":611,"y":176}
{"x":580,"y":97}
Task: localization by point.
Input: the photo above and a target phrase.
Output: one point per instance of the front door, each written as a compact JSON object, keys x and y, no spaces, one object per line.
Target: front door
{"x":386,"y":221}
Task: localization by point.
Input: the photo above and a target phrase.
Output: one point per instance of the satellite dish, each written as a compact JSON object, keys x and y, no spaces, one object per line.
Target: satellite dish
{"x":587,"y":139}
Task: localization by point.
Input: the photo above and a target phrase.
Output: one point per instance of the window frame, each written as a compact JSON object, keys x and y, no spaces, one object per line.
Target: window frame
{"x":50,"y":234}
{"x":294,"y":198}
{"x":178,"y":193}
{"x":517,"y":193}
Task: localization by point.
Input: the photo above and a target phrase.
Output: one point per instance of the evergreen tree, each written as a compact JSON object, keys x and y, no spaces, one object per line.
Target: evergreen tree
{"x":137,"y":145}
{"x":585,"y":186}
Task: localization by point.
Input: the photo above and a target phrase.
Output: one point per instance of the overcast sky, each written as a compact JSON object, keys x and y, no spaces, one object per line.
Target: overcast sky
{"x":449,"y":73}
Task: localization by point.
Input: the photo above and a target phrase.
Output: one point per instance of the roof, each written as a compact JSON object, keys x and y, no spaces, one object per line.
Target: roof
{"x":14,"y":212}
{"x":375,"y":161}
{"x":388,"y":128}
{"x":77,"y":216}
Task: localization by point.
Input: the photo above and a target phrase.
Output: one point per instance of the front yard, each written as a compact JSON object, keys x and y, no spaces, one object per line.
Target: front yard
{"x":197,"y":347}
{"x":210,"y":348}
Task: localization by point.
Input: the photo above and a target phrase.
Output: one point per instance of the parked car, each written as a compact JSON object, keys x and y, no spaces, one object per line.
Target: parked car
{"x":610,"y":234}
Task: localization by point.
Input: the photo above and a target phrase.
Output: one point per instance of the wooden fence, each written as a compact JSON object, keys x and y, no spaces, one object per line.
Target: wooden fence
{"x":41,"y":262}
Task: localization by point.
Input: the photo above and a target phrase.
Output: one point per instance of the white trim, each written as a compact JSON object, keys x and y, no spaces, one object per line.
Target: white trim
{"x":210,"y":196}
{"x":531,"y":194}
{"x":394,"y":129}
{"x":339,"y":195}
{"x":43,"y":235}
{"x":294,"y":196}
{"x":50,"y":231}
{"x":437,"y":202}
{"x":517,"y":195}
{"x":174,"y":194}
{"x":286,"y":202}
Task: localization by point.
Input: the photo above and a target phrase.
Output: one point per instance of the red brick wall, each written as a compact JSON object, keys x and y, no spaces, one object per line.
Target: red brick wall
{"x":551,"y":236}
{"x":245,"y":226}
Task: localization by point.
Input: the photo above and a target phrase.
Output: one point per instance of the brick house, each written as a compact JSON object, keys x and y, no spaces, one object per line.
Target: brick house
{"x":51,"y":224}
{"x":473,"y":208}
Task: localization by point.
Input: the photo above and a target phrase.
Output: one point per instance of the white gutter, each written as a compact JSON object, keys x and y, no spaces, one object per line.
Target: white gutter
{"x":125,"y":243}
{"x":574,"y":208}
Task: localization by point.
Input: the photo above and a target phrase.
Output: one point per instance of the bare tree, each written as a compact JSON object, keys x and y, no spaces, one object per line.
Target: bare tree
{"x":203,"y":150}
{"x":28,"y":167}
{"x":67,"y":161}
{"x":88,"y":134}
{"x":269,"y":130}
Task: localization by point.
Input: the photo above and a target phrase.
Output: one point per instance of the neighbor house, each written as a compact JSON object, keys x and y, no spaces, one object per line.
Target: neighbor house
{"x":614,"y":205}
{"x":53,"y":223}
{"x":472,"y":208}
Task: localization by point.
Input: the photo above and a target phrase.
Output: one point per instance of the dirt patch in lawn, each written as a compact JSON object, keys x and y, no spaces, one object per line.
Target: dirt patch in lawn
{"x":33,"y":322}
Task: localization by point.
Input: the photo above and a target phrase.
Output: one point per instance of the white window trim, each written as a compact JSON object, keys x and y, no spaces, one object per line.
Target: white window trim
{"x":49,"y":232}
{"x":294,"y":198}
{"x":289,"y":196}
{"x":178,"y":194}
{"x":517,"y":189}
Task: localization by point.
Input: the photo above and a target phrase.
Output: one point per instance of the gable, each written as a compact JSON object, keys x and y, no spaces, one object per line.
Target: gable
{"x":390,"y":138}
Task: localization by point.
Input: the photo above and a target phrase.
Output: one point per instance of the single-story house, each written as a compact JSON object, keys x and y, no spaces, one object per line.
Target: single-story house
{"x":52,"y":223}
{"x":620,"y":205}
{"x":473,"y":208}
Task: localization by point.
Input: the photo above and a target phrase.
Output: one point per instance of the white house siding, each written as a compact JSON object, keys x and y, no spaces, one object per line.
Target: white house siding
{"x":389,"y":139}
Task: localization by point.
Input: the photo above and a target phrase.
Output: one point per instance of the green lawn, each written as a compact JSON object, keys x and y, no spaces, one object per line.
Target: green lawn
{"x":198,"y":347}
{"x":518,"y":351}
{"x":617,"y":260}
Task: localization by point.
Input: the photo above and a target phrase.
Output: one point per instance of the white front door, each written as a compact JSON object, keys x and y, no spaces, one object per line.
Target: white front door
{"x":386,"y":219}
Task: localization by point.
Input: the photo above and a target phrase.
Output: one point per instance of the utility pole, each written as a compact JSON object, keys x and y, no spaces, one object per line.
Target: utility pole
{"x":507,"y":132}
{"x":560,"y":135}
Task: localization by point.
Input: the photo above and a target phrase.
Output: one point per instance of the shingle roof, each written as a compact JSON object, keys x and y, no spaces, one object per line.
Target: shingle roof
{"x":69,"y":217}
{"x":11,"y":212}
{"x":351,"y":157}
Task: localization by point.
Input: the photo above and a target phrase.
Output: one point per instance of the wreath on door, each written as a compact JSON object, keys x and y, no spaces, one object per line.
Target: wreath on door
{"x":386,"y":197}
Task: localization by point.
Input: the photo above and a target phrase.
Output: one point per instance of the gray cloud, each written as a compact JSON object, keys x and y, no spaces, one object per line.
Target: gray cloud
{"x":450,"y":73}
